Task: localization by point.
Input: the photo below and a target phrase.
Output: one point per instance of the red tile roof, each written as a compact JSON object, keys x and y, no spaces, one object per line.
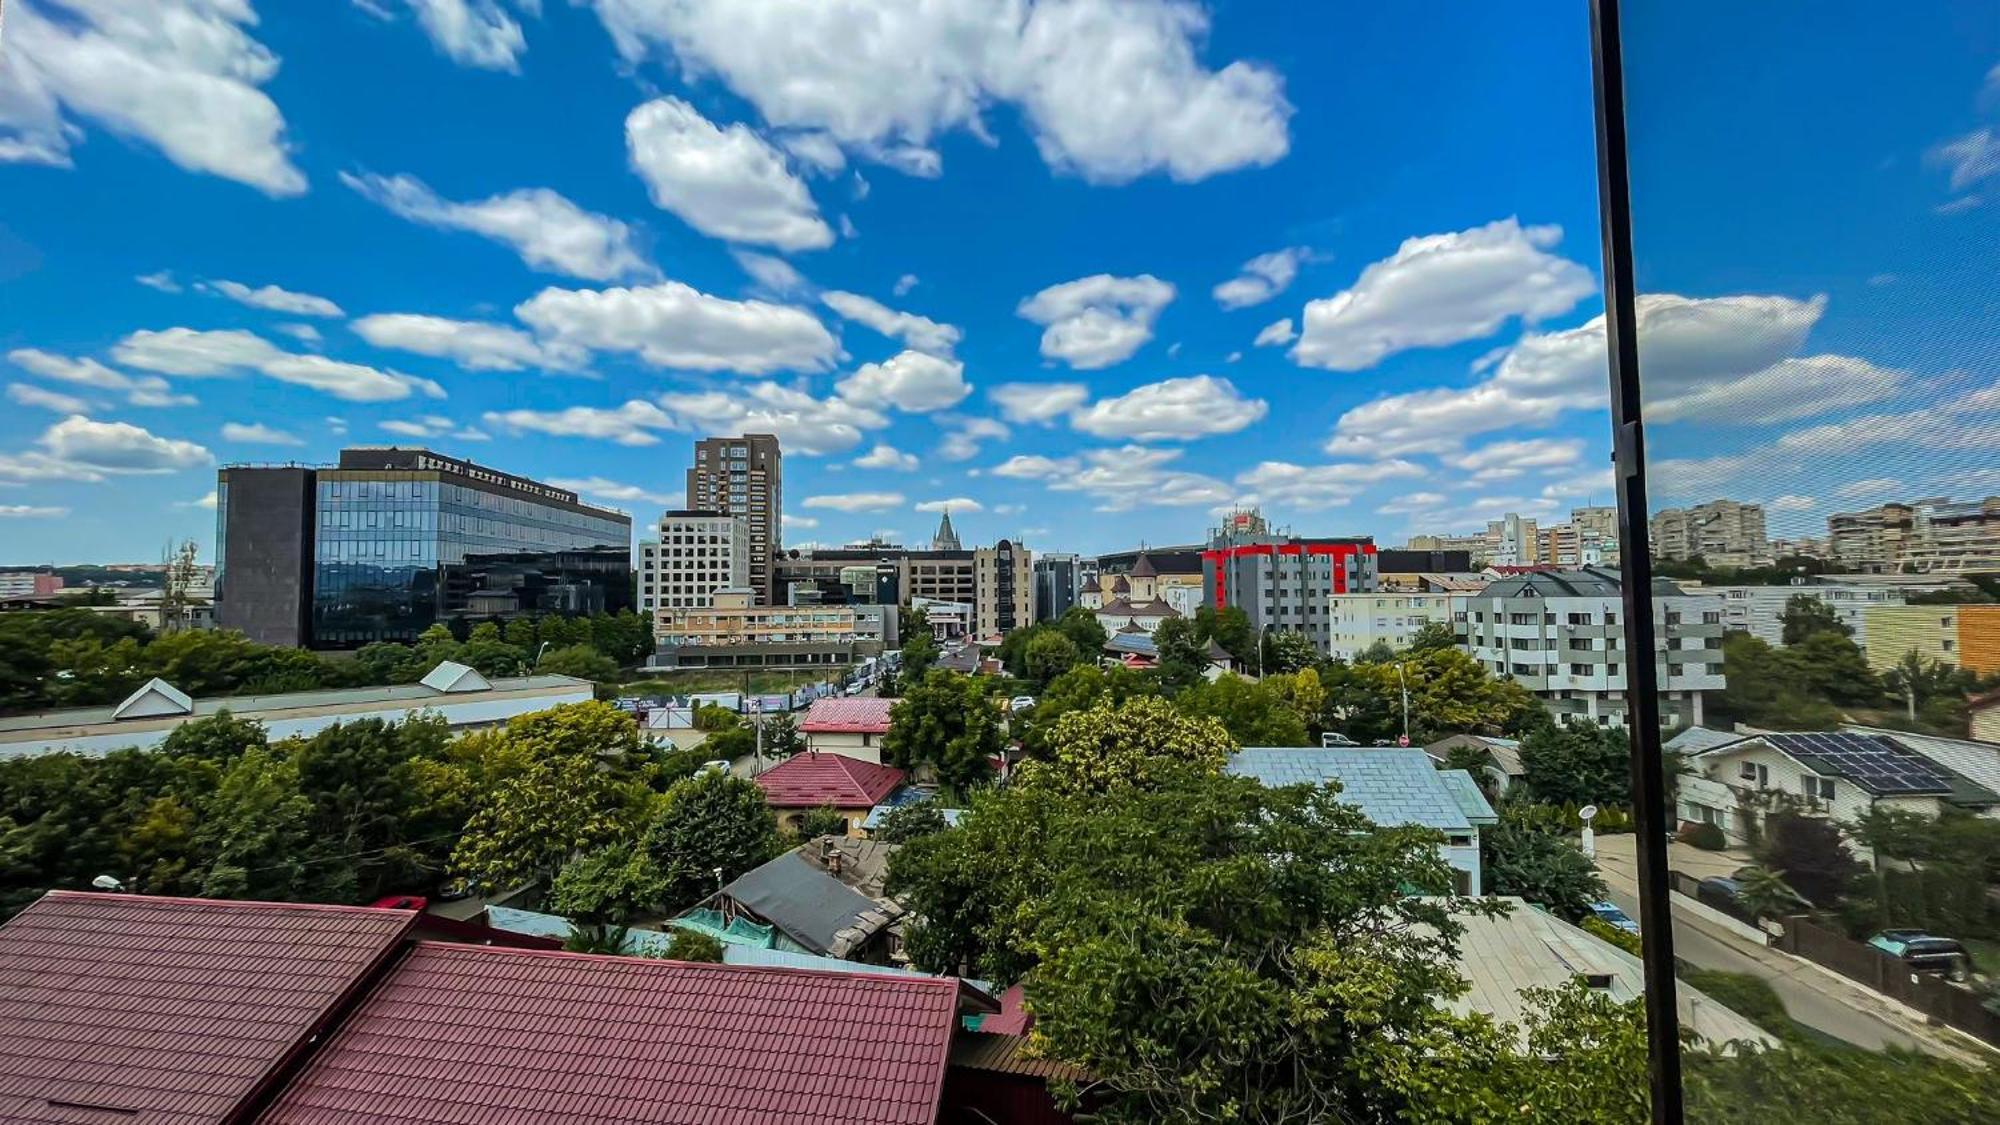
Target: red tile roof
{"x":809,"y":780}
{"x":857,"y":715}
{"x":500,"y":1036}
{"x":168,"y":1011}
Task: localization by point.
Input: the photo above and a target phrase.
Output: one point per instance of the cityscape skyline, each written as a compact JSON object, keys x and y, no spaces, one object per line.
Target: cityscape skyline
{"x":1054,"y":368}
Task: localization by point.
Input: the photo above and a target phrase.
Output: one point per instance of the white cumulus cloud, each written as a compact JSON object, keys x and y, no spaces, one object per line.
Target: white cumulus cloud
{"x":673,"y":325}
{"x":272,"y":297}
{"x":1173,"y":409}
{"x":194,"y":353}
{"x":550,"y":233}
{"x":181,"y":76}
{"x":886,"y":456}
{"x":910,"y":381}
{"x":473,"y":345}
{"x":257,"y":433}
{"x":1261,"y":278}
{"x":857,"y":501}
{"x":919,"y":332}
{"x":1109,"y":89}
{"x":119,"y":447}
{"x":1097,"y":321}
{"x":730,"y":183}
{"x":1442,"y":289}
{"x":1037,"y":403}
{"x":27,"y":394}
{"x":1276,"y":334}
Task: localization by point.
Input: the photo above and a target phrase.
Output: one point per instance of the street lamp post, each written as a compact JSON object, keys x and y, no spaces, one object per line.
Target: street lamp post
{"x":1403,"y":681}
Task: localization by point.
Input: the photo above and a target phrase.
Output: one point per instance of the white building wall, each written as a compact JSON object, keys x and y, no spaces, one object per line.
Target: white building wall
{"x":863,"y":747}
{"x":1357,"y":621}
{"x":1759,"y":610}
{"x":1570,"y":651}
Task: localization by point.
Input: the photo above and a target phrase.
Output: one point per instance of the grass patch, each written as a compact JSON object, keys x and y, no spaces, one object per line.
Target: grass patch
{"x":694,"y":680}
{"x":1747,"y":996}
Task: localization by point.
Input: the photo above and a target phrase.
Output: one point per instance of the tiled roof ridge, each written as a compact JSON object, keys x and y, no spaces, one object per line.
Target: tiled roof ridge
{"x":226,"y":903}
{"x":925,"y":981}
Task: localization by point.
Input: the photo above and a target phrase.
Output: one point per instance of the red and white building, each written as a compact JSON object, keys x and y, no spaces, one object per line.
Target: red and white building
{"x":1285,"y":584}
{"x":852,"y":726}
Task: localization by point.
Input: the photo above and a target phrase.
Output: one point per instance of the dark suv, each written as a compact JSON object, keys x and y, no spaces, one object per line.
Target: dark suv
{"x":1926,"y":953}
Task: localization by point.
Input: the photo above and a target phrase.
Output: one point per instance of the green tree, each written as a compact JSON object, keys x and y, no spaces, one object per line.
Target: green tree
{"x":1805,"y":615}
{"x":219,"y":738}
{"x":1579,"y":764}
{"x":1765,"y":894}
{"x":823,"y":821}
{"x":711,"y":828}
{"x":1808,"y":855}
{"x":256,"y":831}
{"x":1433,"y":636}
{"x":369,"y":834}
{"x":1832,"y":667}
{"x":1083,"y":629}
{"x":1288,"y":651}
{"x":910,"y":822}
{"x":687,"y":945}
{"x":1764,"y":687}
{"x":714,"y":717}
{"x":1543,"y":867}
{"x":1078,"y":689}
{"x":523,"y":634}
{"x":1141,"y":743}
{"x":1255,"y":713}
{"x":1048,"y":655}
{"x":781,"y":735}
{"x":600,"y":893}
{"x":581,"y":661}
{"x":1207,"y":948}
{"x":945,"y":721}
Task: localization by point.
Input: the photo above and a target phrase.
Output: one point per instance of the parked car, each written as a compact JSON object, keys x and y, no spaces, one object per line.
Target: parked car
{"x":1334,"y":738}
{"x":1611,"y":915}
{"x":1926,"y":953}
{"x":1021,"y":703}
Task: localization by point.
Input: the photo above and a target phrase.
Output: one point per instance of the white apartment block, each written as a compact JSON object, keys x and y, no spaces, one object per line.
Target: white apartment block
{"x":1724,"y":533}
{"x":1760,"y":610}
{"x":1358,"y":621}
{"x":696,"y":554}
{"x":1561,"y":635}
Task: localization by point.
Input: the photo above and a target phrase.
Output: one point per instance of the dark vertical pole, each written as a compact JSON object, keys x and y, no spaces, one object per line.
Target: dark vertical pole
{"x":1642,"y":681}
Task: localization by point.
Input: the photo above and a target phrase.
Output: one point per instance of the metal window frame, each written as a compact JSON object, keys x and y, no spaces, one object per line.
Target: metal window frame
{"x":1649,"y":788}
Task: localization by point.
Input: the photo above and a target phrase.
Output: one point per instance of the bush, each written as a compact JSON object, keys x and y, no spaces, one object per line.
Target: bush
{"x":688,"y":945}
{"x":1707,"y":837}
{"x":1747,"y":996}
{"x":1599,"y":928}
{"x":911,"y":822}
{"x":822,"y":821}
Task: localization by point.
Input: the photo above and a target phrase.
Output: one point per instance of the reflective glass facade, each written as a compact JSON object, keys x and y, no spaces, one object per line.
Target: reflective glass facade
{"x":385,"y":543}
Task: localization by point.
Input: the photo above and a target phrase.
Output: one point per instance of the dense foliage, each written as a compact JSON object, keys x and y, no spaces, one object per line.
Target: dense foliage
{"x":73,"y":657}
{"x":1521,"y":856}
{"x":945,"y":722}
{"x":1578,"y":763}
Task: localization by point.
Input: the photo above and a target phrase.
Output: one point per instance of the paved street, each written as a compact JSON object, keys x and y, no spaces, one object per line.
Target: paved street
{"x":1812,"y":996}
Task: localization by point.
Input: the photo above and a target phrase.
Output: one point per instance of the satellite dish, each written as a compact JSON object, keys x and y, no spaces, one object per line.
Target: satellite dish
{"x":1587,"y":813}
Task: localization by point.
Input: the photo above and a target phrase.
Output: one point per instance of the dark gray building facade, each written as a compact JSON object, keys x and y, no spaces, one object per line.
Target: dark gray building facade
{"x":395,"y":539}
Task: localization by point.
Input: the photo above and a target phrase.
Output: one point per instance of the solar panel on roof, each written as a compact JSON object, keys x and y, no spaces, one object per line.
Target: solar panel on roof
{"x":1877,"y":762}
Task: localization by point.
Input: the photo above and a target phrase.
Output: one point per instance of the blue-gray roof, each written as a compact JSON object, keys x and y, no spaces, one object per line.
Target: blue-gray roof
{"x":903,"y":798}
{"x":1471,"y":800}
{"x":1393,"y":786}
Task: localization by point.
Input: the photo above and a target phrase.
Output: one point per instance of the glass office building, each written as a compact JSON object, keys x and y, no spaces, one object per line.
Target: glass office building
{"x":402,"y":538}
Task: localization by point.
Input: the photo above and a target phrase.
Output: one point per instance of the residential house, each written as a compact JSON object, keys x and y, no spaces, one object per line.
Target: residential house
{"x":852,"y":726}
{"x":195,"y":1012}
{"x":1973,"y":760}
{"x":1503,"y":956}
{"x":1841,"y":775}
{"x":810,"y":780}
{"x":824,"y":897}
{"x":1394,"y":787}
{"x":1502,"y":766}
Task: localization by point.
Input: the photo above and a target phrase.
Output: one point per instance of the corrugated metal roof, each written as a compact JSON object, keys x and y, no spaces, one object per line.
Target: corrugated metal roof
{"x":809,"y":780}
{"x":1471,"y":800}
{"x":816,"y":909}
{"x":268,"y":707}
{"x":858,"y":714}
{"x":516,"y":1037}
{"x":1007,"y":1054}
{"x":168,"y":1011}
{"x":1394,"y":786}
{"x":1525,"y":948}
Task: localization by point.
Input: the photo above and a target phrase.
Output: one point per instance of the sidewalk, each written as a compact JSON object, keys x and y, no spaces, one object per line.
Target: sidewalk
{"x":1812,"y":994}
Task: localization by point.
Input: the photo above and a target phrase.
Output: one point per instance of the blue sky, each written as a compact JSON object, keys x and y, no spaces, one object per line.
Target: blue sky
{"x":1014,"y":258}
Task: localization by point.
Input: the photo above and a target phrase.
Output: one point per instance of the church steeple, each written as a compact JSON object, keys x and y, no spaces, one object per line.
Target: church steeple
{"x":946,"y":538}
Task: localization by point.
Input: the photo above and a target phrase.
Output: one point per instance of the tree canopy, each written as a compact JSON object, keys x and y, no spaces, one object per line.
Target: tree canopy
{"x":946,"y":722}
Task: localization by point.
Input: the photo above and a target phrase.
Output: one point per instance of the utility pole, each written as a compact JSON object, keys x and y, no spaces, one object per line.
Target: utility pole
{"x":1404,"y":681}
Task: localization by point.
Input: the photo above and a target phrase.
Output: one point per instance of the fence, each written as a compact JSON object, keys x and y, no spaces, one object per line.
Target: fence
{"x":1939,"y":999}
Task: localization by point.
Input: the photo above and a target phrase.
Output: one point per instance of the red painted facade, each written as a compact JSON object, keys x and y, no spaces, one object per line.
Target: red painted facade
{"x":1220,"y":557}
